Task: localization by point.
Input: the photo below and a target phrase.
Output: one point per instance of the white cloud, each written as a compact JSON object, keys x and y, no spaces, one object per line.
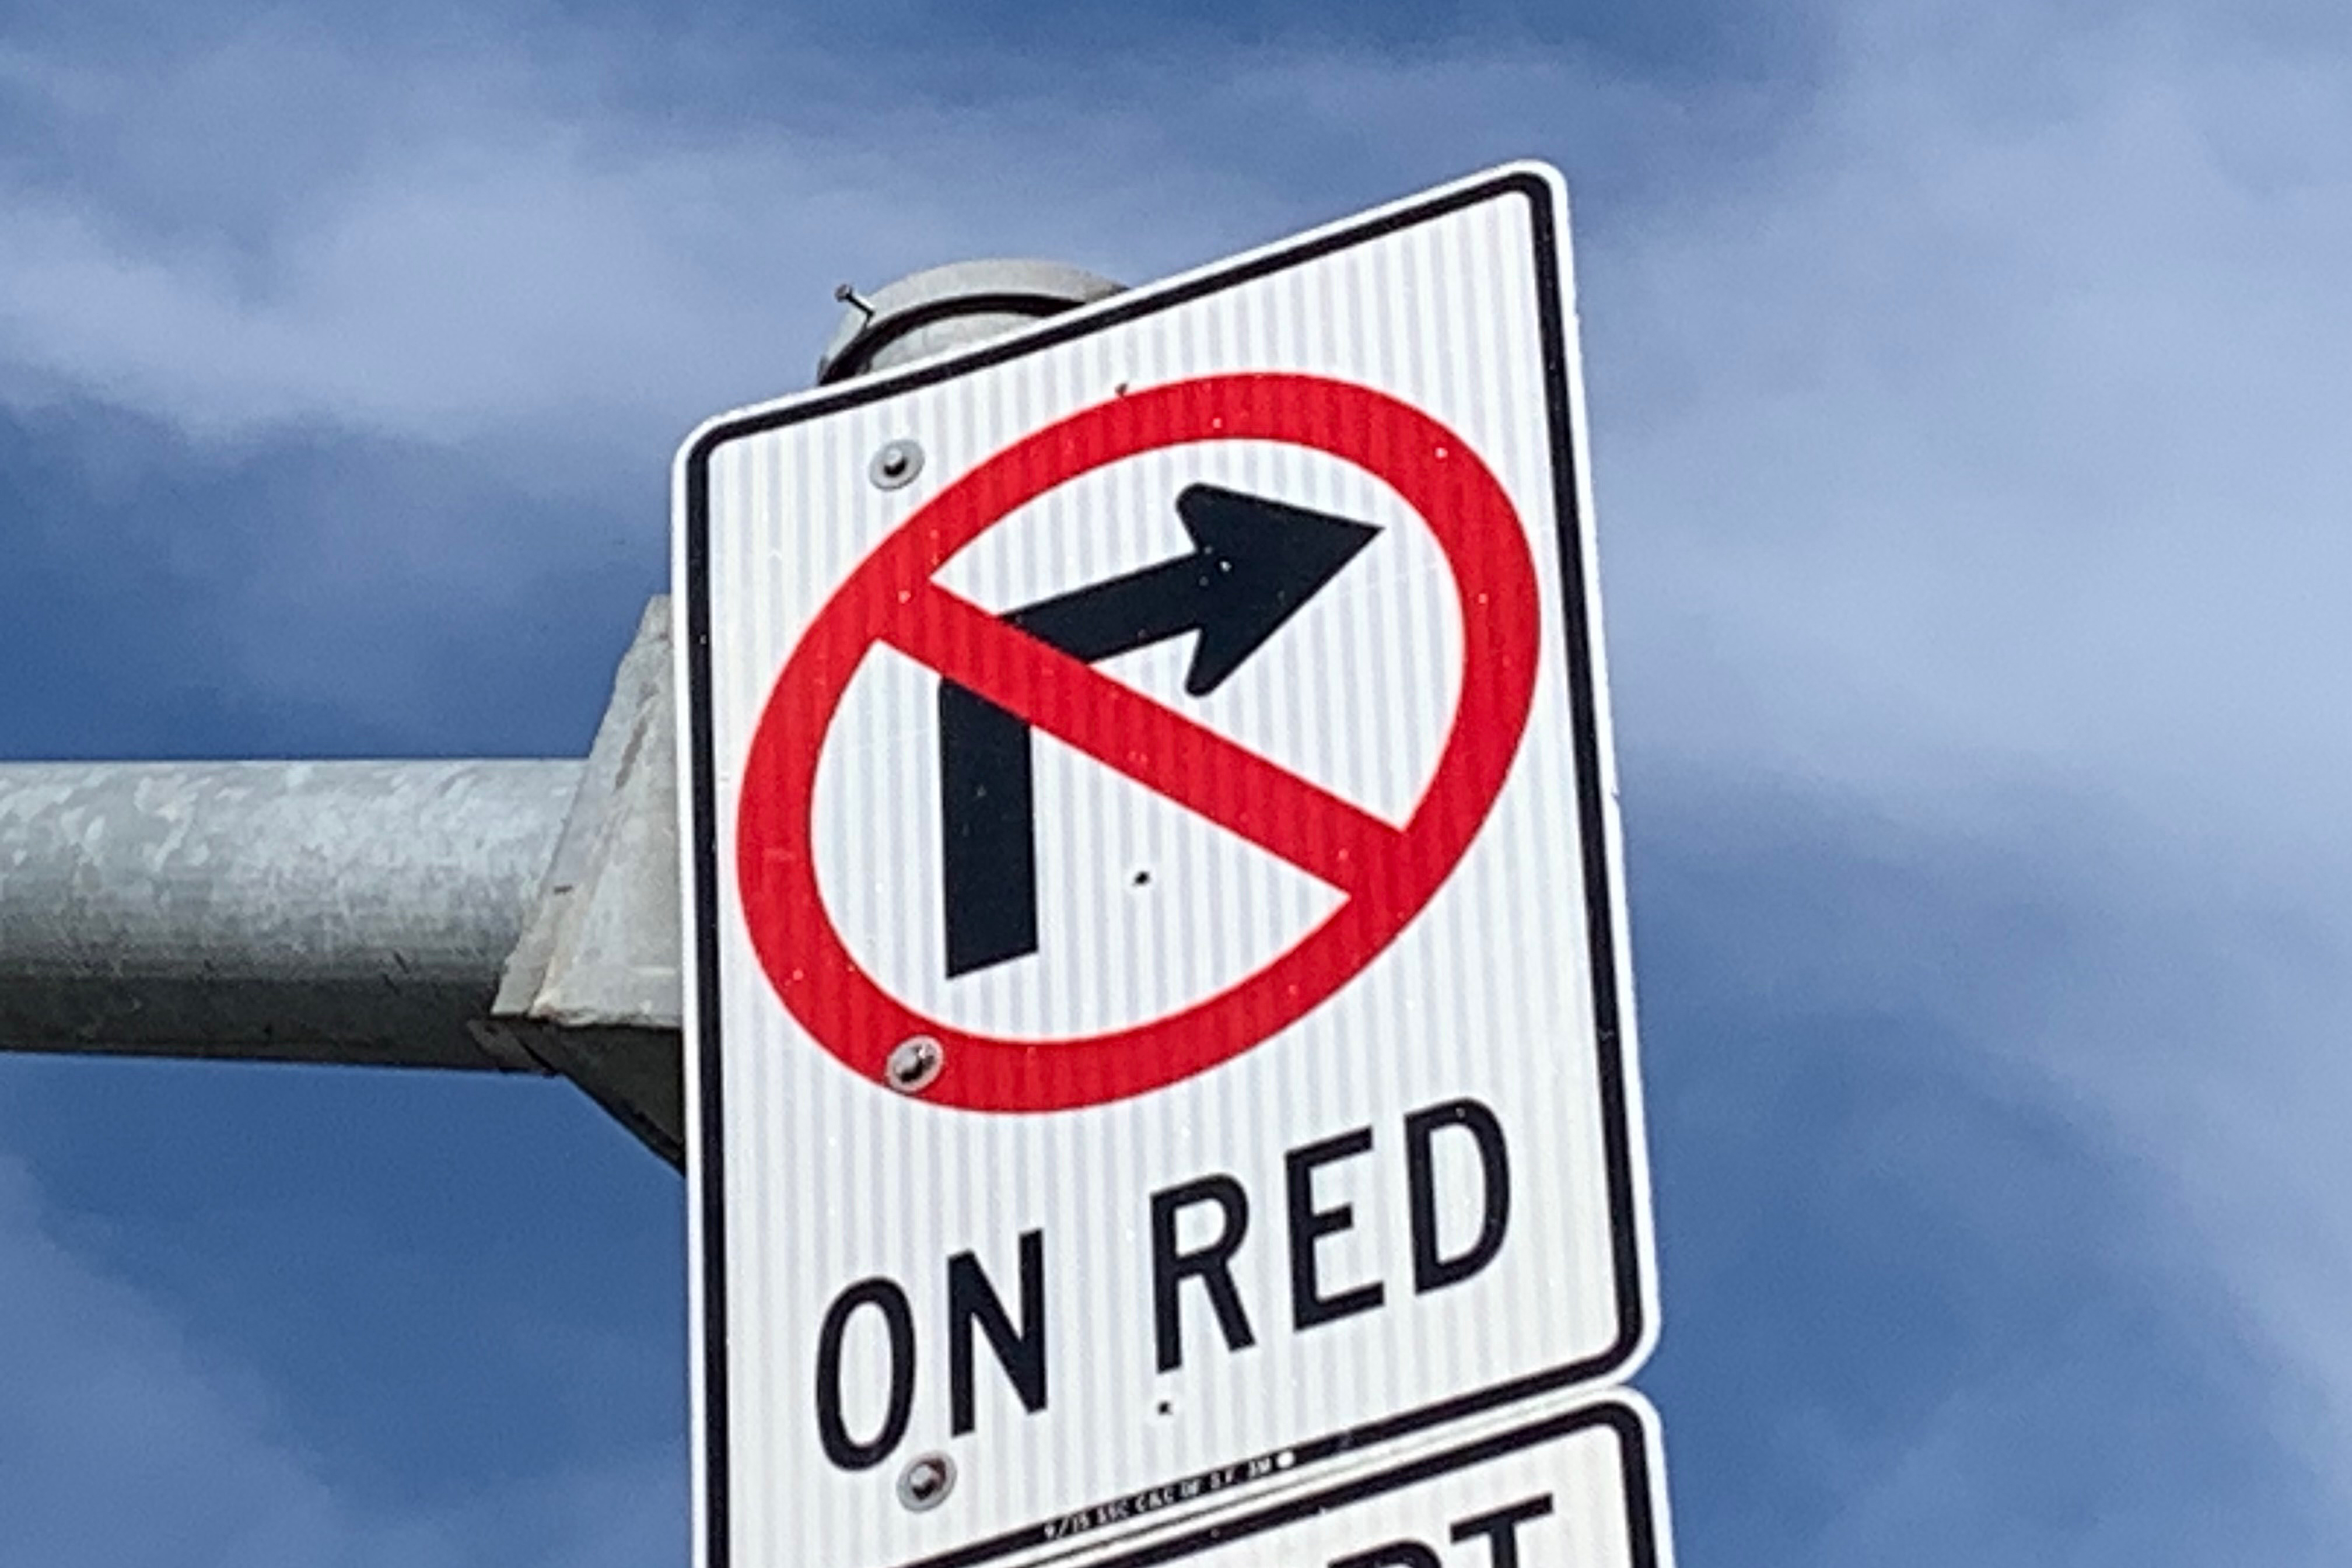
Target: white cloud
{"x":504,"y":256}
{"x":448,"y":261}
{"x":274,"y":232}
{"x":2000,"y":416}
{"x":1985,"y":468}
{"x":2005,"y":429}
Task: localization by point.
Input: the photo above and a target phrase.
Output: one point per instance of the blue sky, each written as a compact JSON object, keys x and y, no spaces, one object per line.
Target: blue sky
{"x":1969,"y":389}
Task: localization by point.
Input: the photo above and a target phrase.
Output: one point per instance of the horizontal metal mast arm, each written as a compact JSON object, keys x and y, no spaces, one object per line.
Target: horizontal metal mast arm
{"x":521,"y":916}
{"x":350,"y":912}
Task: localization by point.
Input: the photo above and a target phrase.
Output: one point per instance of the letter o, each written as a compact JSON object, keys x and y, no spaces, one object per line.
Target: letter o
{"x":832,"y":1430}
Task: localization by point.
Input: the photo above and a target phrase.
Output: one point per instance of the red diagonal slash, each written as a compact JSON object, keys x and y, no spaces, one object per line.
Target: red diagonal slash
{"x":1149,"y":742}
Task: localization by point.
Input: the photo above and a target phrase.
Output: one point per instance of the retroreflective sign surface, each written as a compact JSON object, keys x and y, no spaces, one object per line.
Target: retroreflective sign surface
{"x":1159,"y":1023}
{"x":1581,"y":1489}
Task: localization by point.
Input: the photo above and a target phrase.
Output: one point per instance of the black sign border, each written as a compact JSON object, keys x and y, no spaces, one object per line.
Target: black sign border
{"x":1604,"y":937}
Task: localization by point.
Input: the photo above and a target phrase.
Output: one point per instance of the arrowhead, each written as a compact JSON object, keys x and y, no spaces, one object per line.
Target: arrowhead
{"x":1260,"y":563}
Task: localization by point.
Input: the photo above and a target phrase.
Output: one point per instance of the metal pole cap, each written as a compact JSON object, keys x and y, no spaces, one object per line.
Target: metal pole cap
{"x":944,"y":308}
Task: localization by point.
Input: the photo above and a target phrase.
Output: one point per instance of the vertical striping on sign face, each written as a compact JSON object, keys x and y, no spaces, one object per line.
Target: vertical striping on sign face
{"x":1160,"y":1010}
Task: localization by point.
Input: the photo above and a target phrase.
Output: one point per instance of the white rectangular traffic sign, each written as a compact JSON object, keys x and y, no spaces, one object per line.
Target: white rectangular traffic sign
{"x":1581,"y":1489}
{"x":1159,"y":1022}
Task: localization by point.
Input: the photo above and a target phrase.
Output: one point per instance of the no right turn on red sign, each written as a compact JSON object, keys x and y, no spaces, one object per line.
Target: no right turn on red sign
{"x":1161,"y":1028}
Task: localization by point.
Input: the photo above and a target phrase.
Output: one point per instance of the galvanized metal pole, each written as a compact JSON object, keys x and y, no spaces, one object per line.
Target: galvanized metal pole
{"x":512,"y":916}
{"x":303,"y":911}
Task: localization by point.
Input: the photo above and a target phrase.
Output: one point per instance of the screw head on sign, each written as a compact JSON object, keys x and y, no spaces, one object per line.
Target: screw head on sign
{"x":914,"y":1064}
{"x":926,"y":1482}
{"x":896,"y":465}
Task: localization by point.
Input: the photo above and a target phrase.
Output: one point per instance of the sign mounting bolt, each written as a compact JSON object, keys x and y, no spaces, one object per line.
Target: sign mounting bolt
{"x":926,"y":1482}
{"x":896,"y":465}
{"x":914,"y":1065}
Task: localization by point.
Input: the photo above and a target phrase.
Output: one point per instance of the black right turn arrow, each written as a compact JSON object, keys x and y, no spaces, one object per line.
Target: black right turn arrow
{"x":1254,"y":564}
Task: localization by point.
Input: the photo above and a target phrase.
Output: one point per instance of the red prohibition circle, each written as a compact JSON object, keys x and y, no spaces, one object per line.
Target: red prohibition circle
{"x":1386,"y":874}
